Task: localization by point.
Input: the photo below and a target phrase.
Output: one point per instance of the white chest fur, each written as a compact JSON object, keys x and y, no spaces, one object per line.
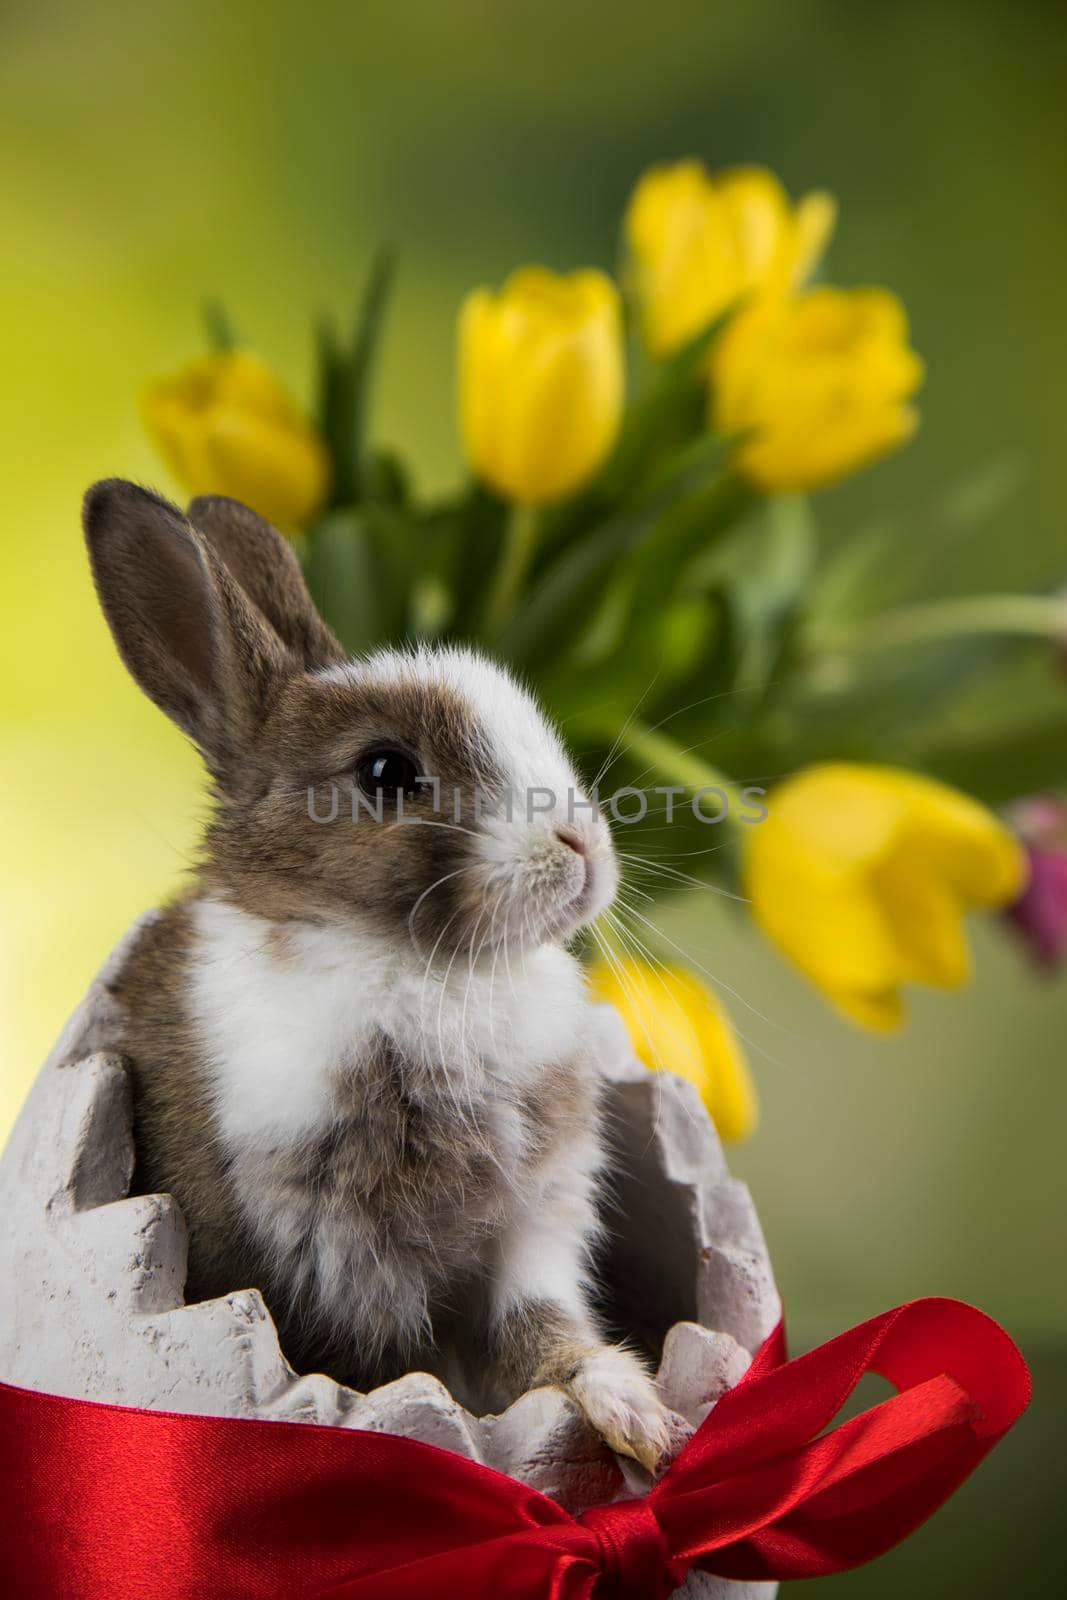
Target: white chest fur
{"x":279,"y":1011}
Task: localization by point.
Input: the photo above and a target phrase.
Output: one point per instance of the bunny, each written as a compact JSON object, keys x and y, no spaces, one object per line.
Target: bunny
{"x":360,"y":1051}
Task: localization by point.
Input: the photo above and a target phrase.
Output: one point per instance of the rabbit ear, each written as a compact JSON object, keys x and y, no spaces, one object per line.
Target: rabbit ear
{"x":264,"y":565}
{"x":186,"y":631}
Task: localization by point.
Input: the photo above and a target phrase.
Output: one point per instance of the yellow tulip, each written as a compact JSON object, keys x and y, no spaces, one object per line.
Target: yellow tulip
{"x":861,"y":875}
{"x":697,"y":243}
{"x":541,"y":381}
{"x":226,"y":424}
{"x":814,"y":385}
{"x":676,"y":1024}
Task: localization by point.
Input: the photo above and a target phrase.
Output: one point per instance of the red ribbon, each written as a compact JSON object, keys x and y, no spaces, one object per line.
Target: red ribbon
{"x":105,"y":1502}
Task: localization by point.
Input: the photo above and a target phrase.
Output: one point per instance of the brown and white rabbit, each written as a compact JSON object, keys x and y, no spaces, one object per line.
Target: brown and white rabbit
{"x":359,"y":1050}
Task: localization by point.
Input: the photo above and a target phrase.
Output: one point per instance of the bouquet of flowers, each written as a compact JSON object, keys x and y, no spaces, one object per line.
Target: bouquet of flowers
{"x":636,"y":539}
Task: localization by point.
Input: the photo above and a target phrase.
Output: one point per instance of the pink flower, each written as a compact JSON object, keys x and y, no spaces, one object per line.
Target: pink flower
{"x":1040,"y":913}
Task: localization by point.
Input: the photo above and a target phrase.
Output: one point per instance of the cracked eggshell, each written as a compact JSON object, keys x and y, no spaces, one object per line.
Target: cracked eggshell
{"x":94,"y":1279}
{"x":698,"y":1367}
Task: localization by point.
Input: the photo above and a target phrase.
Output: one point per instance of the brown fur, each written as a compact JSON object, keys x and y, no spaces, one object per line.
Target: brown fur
{"x":263,"y":849}
{"x":275,"y":587}
{"x":211,"y":615}
{"x":421,"y":1187}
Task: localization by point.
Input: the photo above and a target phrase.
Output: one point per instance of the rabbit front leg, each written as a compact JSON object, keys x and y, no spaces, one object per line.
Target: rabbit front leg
{"x":542,"y":1329}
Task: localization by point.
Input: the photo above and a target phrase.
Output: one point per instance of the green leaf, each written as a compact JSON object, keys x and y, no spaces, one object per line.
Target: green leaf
{"x":336,"y":572}
{"x":335,"y":408}
{"x":913,"y":687}
{"x":553,"y":615}
{"x":645,"y":663}
{"x":700,"y":699}
{"x":385,"y":478}
{"x":659,"y":423}
{"x":899,"y":556}
{"x":606,"y":633}
{"x":359,"y":568}
{"x":1021,"y":762}
{"x":673,"y":404}
{"x":218,"y":327}
{"x":760,"y":575}
{"x":689,"y":529}
{"x":555,"y":612}
{"x":392,"y":539}
{"x":469,"y":539}
{"x":345,"y":374}
{"x":902,"y":710}
{"x":429,"y":549}
{"x":860,"y":577}
{"x":366,"y":343}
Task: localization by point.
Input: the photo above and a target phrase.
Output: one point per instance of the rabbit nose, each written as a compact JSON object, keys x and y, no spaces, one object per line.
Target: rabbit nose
{"x":571,"y":838}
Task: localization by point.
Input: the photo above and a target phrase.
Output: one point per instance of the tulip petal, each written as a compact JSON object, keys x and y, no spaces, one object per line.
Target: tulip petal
{"x":226,"y":424}
{"x":862,"y":874}
{"x":699,"y":242}
{"x":798,"y":459}
{"x":757,"y":213}
{"x":981,"y":858}
{"x":815,"y":386}
{"x":833,"y":931}
{"x":279,"y":473}
{"x":959,"y":838}
{"x":726,"y":1085}
{"x":541,"y":381}
{"x":926,"y":922}
{"x":881,"y":1013}
{"x":684,"y":253}
{"x":478,"y":384}
{"x":813,"y":225}
{"x":676,"y":1024}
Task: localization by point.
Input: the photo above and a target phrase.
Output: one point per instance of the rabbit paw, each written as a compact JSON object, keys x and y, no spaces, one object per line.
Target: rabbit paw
{"x":619,"y":1400}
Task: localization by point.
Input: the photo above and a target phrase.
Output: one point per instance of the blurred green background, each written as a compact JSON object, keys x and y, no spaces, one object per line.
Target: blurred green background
{"x":260,"y":151}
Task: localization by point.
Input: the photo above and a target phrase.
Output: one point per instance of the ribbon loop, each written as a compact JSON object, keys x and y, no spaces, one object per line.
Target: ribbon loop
{"x":110,"y":1503}
{"x":635,"y":1561}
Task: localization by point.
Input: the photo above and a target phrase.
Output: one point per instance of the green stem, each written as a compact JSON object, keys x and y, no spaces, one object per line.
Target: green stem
{"x":520,"y":542}
{"x":1031,"y":616}
{"x":679,"y":766}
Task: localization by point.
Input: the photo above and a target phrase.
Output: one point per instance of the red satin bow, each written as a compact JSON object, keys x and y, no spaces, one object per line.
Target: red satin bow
{"x":108,"y":1503}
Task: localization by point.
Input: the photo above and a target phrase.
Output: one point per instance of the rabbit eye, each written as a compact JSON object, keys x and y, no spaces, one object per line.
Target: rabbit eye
{"x":387,"y":773}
